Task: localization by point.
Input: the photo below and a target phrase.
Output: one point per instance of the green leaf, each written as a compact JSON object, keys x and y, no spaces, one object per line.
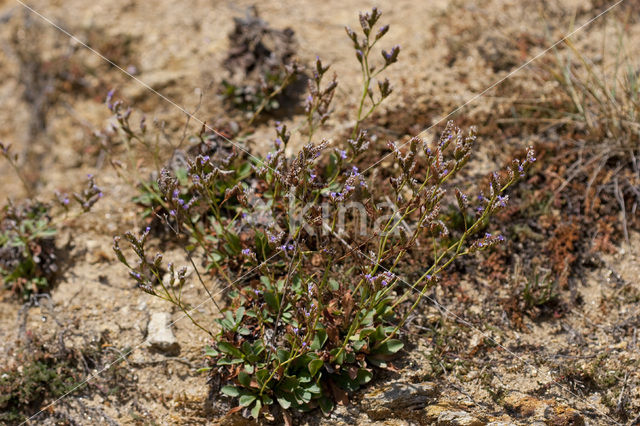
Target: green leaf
{"x":284,"y":401}
{"x":304,"y":377}
{"x":244,"y":379}
{"x":230,"y":390}
{"x":272,"y":300}
{"x":233,"y":246}
{"x":226,"y":324}
{"x":262,"y":376}
{"x":313,"y":388}
{"x":358,"y":344}
{"x":209,"y":351}
{"x":315,"y":366}
{"x":337,"y":355}
{"x":282,"y":355}
{"x":365,"y":332}
{"x":389,"y":347}
{"x":319,"y":339}
{"x":265,"y":280}
{"x":228,"y":348}
{"x":333,"y":284}
{"x":262,"y":245}
{"x":288,"y":383}
{"x":379,"y":333}
{"x":246,"y":400}
{"x":227,"y":361}
{"x":364,"y":376}
{"x":255,"y":411}
{"x":326,"y":405}
{"x":239,"y":314}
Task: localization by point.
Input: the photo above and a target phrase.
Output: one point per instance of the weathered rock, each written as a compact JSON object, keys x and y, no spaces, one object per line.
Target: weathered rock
{"x":160,"y":337}
{"x":457,"y":418}
{"x":547,"y":411}
{"x":404,"y":400}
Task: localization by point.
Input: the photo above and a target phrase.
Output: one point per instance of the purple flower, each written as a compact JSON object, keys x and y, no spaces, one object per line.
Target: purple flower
{"x":172,"y":212}
{"x":246,"y":252}
{"x":342,"y":153}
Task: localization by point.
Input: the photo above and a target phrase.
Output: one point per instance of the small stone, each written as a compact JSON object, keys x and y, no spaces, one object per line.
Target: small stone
{"x":399,"y":399}
{"x":160,"y":337}
{"x":457,"y":418}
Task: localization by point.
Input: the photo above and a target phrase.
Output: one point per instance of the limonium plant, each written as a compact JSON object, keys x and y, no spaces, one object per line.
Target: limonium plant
{"x":313,"y":254}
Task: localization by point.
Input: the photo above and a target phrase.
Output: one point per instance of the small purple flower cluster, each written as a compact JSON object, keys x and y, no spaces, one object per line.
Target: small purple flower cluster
{"x":287,"y":248}
{"x":353,"y":181}
{"x":89,"y":196}
{"x":381,"y":280}
{"x":519,"y":166}
{"x":249,"y":255}
{"x":486,"y":242}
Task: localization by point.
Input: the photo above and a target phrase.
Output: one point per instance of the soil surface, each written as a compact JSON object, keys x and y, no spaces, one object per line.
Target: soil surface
{"x":571,"y":363}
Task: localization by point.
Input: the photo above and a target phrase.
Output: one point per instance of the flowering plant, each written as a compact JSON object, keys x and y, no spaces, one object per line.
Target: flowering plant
{"x":323,"y":283}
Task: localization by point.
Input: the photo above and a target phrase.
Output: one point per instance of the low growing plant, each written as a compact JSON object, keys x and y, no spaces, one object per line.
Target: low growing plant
{"x":313,"y":252}
{"x":28,"y":260}
{"x":263,"y":68}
